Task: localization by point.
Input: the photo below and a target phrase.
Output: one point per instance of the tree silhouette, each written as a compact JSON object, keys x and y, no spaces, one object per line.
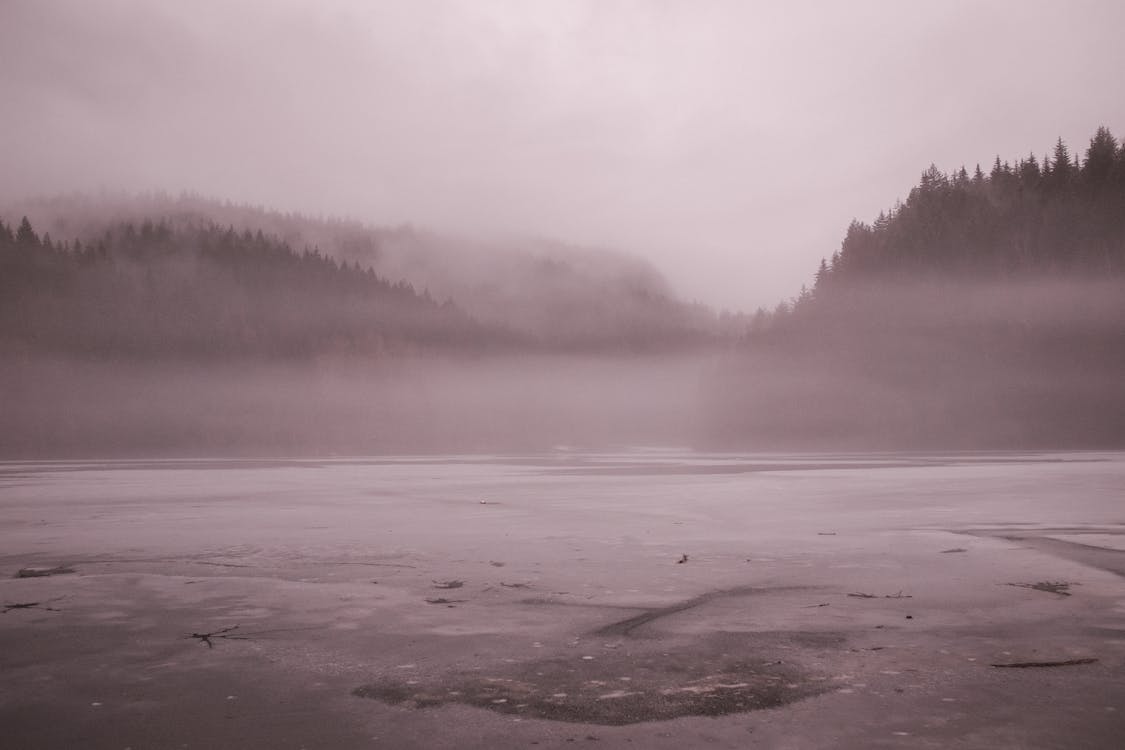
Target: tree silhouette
{"x":25,"y":235}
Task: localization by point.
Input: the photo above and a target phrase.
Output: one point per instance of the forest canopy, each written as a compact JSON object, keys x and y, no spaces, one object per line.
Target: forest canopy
{"x":187,"y":286}
{"x":985,"y":310}
{"x":151,"y":291}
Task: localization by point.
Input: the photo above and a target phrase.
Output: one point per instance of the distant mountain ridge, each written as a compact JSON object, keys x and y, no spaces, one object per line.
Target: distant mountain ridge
{"x":200,"y":291}
{"x":548,"y":292}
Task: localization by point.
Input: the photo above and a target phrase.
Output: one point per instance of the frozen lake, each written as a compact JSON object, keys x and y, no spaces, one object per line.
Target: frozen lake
{"x":658,"y":597}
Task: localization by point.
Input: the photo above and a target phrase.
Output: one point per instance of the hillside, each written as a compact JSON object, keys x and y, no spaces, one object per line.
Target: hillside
{"x":985,"y":310}
{"x":205,"y":292}
{"x":160,"y":327}
{"x":551,"y":295}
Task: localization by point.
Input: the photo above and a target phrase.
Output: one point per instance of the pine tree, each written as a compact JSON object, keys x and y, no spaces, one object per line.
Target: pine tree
{"x":1029,"y":171}
{"x":1101,"y":157}
{"x":25,"y":235}
{"x":1062,"y":169}
{"x":997,"y":170}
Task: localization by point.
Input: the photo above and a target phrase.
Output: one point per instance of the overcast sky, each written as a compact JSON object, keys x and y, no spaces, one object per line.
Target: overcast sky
{"x":729,"y":142}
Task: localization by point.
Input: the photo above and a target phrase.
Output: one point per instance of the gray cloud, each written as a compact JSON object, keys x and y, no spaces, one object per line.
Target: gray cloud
{"x":731,"y":142}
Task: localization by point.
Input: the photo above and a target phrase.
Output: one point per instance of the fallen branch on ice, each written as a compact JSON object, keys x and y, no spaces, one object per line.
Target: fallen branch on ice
{"x":28,"y":605}
{"x":1033,"y":664}
{"x":224,"y":633}
{"x":862,"y":595}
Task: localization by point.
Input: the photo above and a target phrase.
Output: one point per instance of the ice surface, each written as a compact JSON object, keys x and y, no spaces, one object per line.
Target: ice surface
{"x":326,"y":566}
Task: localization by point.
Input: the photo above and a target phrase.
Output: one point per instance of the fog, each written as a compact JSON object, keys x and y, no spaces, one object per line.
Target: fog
{"x":558,"y":293}
{"x":1034,"y":364}
{"x":1028,"y":363}
{"x":83,"y":409}
{"x":729,"y":143}
{"x":514,"y":206}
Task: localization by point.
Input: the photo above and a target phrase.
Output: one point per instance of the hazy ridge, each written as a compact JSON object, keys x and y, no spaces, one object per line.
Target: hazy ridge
{"x":183,"y":326}
{"x":984,"y":311}
{"x":546,"y":294}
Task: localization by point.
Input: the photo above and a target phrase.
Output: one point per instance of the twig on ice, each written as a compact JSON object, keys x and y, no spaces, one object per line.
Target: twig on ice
{"x":224,"y":633}
{"x":1032,"y":664}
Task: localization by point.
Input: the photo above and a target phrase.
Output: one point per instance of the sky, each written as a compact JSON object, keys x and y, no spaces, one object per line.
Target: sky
{"x":730,"y":143}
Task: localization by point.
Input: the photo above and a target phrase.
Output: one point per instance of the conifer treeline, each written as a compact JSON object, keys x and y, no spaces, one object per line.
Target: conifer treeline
{"x":188,"y":287}
{"x":206,"y":291}
{"x":984,"y":311}
{"x":1057,"y":216}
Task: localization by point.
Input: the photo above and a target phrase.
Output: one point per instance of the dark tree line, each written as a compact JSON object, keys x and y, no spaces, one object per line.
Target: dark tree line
{"x":190,"y":284}
{"x":1058,"y":215}
{"x":984,"y":310}
{"x":556,"y":297}
{"x":205,"y":291}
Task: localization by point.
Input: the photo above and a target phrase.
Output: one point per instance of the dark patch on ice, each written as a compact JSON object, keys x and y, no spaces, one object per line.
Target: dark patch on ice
{"x":1102,"y":558}
{"x":44,"y":571}
{"x":628,"y":625}
{"x":722,"y":673}
{"x":1062,"y":588}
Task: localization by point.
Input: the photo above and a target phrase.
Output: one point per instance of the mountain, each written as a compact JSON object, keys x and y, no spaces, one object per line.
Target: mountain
{"x":547,"y":294}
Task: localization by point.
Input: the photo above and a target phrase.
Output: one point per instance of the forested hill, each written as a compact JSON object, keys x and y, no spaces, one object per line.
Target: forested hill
{"x":985,"y":310}
{"x":190,"y":338}
{"x":204,"y":291}
{"x":1061,"y":215}
{"x":554,"y":296}
{"x":187,"y":286}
